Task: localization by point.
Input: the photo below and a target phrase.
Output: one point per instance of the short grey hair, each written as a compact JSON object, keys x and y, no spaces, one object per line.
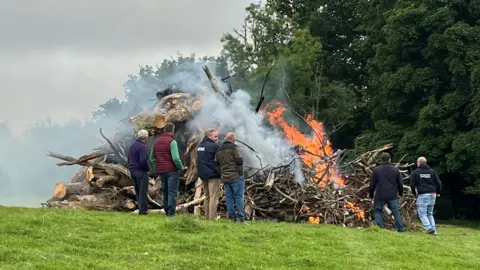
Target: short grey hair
{"x":230,"y":136}
{"x":422,"y":160}
{"x":142,"y":134}
{"x":209,"y":132}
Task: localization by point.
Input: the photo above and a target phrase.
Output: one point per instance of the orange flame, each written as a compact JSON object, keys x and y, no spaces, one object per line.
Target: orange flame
{"x":314,"y":220}
{"x":318,"y":148}
{"x":357,"y":210}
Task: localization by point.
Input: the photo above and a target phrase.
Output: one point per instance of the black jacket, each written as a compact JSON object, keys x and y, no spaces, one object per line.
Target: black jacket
{"x":205,"y":160}
{"x":425,"y":180}
{"x":386,"y":182}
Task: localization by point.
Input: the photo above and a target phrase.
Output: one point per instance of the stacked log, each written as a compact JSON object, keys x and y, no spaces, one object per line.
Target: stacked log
{"x":338,"y":194}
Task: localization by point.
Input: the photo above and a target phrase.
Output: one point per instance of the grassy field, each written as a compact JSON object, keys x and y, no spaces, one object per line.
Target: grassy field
{"x":67,"y":239}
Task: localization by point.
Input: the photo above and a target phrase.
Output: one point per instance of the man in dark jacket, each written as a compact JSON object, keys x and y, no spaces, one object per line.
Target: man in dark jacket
{"x":139,"y":167}
{"x":208,"y":173}
{"x":425,"y":181}
{"x":230,"y":164}
{"x":168,"y":165}
{"x":386,"y":184}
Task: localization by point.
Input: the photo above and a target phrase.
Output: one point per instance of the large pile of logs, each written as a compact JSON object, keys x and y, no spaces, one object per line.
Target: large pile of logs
{"x":334,"y":191}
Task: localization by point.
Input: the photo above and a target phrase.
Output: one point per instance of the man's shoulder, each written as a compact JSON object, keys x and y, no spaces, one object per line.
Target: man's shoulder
{"x":225,"y":146}
{"x":386,"y":167}
{"x":136,"y":145}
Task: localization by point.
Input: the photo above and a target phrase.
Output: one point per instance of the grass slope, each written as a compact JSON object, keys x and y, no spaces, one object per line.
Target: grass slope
{"x":68,"y":239}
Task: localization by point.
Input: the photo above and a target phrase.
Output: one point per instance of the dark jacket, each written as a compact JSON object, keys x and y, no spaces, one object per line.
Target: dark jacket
{"x":206,"y":151}
{"x":425,"y":180}
{"x":386,"y":182}
{"x":138,"y":157}
{"x":229,"y":162}
{"x":165,"y":154}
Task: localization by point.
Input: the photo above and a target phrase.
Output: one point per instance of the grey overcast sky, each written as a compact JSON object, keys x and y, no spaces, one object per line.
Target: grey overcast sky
{"x":62,"y":58}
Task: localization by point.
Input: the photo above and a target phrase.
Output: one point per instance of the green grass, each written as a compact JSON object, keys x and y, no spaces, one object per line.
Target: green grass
{"x":69,"y":239}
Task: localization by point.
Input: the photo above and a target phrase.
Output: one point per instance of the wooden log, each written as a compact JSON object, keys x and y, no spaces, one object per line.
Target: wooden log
{"x":65,"y":190}
{"x":178,"y":208}
{"x":105,"y":180}
{"x":89,"y":175}
{"x":79,"y":176}
{"x":196,"y":105}
{"x":214,"y":85}
{"x":198,"y":194}
{"x":131,"y":205}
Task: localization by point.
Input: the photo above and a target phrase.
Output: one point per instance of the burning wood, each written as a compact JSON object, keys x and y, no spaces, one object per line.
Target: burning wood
{"x":334,"y":191}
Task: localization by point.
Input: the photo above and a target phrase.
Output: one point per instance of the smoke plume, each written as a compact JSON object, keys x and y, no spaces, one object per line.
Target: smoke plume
{"x":27,"y":176}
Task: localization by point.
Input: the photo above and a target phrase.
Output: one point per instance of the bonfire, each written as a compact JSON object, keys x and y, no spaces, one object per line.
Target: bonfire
{"x":315,"y":185}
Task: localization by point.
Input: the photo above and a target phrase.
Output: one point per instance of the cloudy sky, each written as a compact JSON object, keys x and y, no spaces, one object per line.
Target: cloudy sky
{"x":60,"y":59}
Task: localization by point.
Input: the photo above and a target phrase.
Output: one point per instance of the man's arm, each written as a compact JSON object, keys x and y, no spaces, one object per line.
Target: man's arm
{"x":373,"y":184}
{"x":400,"y":184}
{"x":153,"y":159}
{"x":413,"y":184}
{"x":217,"y":164}
{"x":438,"y":183}
{"x":143,"y":158}
{"x":175,"y":155}
{"x":238,"y":157}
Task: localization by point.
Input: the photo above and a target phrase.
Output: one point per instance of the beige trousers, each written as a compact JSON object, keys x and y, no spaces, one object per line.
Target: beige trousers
{"x":211,"y":187}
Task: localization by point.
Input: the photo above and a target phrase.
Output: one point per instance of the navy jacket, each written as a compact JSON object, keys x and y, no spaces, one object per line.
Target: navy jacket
{"x":205,"y":160}
{"x":386,"y":182}
{"x":138,"y":157}
{"x":425,"y":180}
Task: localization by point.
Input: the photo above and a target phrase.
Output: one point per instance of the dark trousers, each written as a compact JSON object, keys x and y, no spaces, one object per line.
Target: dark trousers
{"x":170,"y":183}
{"x":378,"y":212}
{"x":234,"y":195}
{"x":140,"y":182}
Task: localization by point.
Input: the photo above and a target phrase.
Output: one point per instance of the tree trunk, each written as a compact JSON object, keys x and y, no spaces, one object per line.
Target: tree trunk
{"x":65,"y":190}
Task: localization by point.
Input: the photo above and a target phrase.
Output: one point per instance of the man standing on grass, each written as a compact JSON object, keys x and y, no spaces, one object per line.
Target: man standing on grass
{"x":168,"y":165}
{"x":387,"y":184}
{"x":208,"y":172}
{"x":139,"y":167}
{"x":230,"y":165}
{"x":425,"y":181}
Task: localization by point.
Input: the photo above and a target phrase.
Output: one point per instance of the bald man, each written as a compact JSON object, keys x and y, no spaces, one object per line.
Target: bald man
{"x":230,"y":165}
{"x":426,"y":183}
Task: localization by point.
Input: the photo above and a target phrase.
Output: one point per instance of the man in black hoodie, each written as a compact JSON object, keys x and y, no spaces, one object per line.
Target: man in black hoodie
{"x":386,"y":184}
{"x":208,"y":172}
{"x":426,"y":183}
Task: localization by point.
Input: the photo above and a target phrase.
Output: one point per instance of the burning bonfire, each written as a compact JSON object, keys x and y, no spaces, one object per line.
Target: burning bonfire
{"x":315,"y":186}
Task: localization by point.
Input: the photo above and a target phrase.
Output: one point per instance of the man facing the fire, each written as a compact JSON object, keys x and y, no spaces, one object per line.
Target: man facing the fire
{"x":139,"y":167}
{"x":208,"y":172}
{"x":387,"y":184}
{"x":230,"y":165}
{"x":168,"y":166}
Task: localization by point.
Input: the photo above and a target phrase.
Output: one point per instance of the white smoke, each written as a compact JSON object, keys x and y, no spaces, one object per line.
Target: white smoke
{"x":269,"y":146}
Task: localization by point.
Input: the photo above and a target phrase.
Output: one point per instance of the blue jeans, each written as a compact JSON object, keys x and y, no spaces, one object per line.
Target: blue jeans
{"x":234,"y":193}
{"x":378,"y":213}
{"x":170,"y":183}
{"x":425,"y":205}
